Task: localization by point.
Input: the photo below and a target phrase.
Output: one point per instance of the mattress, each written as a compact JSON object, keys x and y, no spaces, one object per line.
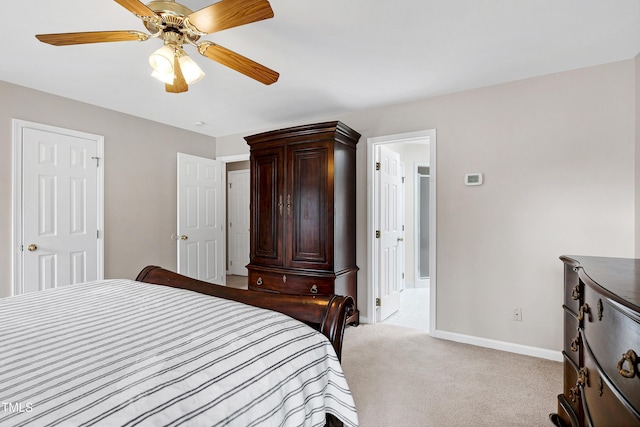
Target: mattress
{"x":125,"y":353}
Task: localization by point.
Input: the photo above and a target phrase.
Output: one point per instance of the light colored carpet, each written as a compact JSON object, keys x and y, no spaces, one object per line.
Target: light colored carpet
{"x":404,"y":377}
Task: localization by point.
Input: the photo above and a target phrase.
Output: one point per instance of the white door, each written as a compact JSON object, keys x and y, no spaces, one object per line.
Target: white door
{"x":201,"y":223}
{"x":61,"y":208}
{"x":238,"y":209}
{"x":390,"y":226}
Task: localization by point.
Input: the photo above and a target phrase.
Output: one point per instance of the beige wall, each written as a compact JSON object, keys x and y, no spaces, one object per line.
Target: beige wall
{"x":557,"y":153}
{"x":140,"y":177}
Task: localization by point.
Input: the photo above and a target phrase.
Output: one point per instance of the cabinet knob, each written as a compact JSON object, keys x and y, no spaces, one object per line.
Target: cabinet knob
{"x":314,"y":289}
{"x":284,"y":278}
{"x":259,"y":281}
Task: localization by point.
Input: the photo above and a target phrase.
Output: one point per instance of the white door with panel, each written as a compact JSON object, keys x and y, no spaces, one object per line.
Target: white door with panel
{"x":239,"y":214}
{"x":390,"y":223}
{"x":61,"y":208}
{"x":201,"y":219}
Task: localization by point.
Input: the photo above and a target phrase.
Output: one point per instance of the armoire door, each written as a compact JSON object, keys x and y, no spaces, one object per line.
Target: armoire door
{"x":309,"y":201}
{"x":268,"y":206}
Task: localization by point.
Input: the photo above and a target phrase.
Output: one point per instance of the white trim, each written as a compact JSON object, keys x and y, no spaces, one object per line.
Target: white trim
{"x":526,"y":350}
{"x":234,"y":158}
{"x":16,"y":185}
{"x":372,"y":290}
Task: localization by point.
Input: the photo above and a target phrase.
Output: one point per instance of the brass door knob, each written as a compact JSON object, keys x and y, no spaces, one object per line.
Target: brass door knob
{"x":32,"y":247}
{"x":183,"y":237}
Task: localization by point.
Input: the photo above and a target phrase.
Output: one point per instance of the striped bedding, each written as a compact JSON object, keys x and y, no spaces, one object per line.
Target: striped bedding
{"x":125,"y":353}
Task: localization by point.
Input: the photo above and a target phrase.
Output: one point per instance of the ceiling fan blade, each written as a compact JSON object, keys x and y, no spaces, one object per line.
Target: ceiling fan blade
{"x":230,"y":13}
{"x":137,"y":7}
{"x":238,"y":62}
{"x":66,"y":39}
{"x":179,"y":83}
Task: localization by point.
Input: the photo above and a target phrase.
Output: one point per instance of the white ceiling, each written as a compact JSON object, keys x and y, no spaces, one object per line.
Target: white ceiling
{"x":333,"y":56}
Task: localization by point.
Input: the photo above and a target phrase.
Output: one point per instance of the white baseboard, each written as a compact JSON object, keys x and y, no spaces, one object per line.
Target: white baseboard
{"x":500,"y":345}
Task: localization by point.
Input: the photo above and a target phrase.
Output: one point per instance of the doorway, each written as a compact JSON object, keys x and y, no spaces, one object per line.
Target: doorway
{"x":237,"y":274}
{"x":422,"y":228}
{"x":58,"y":232}
{"x":417,"y":147}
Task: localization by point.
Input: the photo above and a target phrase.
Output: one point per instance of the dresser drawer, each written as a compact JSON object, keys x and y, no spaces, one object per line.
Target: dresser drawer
{"x":570,"y":390}
{"x":610,"y":332}
{"x":566,"y":416}
{"x":572,"y":341}
{"x":290,"y":283}
{"x":602,"y":408}
{"x":573,"y":288}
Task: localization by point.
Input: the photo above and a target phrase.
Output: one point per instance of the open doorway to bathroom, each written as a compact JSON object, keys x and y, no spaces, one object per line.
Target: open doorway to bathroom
{"x":417,"y":296}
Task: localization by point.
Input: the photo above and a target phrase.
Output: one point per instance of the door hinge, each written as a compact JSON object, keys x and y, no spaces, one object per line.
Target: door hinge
{"x":403,"y":179}
{"x":97,"y":234}
{"x":97,"y":159}
{"x":403,"y":276}
{"x":378,"y":303}
{"x":230,"y":185}
{"x":230,"y":262}
{"x":377,"y":234}
{"x":377,"y":166}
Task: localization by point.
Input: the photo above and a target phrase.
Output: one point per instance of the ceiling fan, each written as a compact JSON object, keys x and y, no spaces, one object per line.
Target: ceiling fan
{"x":177,"y":25}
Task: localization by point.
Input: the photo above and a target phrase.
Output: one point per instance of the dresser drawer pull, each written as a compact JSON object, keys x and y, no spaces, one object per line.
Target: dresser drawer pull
{"x":583,"y":310}
{"x":575,"y":292}
{"x":314,"y":289}
{"x":575,"y":344}
{"x":583,"y":378}
{"x":259,"y":281}
{"x":630,"y":358}
{"x":600,"y":387}
{"x":284,"y":278}
{"x":574,"y":393}
{"x":600,"y":309}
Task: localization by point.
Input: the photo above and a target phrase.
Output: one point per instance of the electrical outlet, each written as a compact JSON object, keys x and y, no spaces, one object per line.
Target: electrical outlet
{"x":517,"y":315}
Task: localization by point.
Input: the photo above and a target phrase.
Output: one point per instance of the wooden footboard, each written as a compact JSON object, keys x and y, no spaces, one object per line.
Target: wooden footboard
{"x":325,"y":313}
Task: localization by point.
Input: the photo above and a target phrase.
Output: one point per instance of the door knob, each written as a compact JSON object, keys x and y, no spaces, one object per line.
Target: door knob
{"x":32,"y":247}
{"x":183,"y":237}
{"x":400,"y":239}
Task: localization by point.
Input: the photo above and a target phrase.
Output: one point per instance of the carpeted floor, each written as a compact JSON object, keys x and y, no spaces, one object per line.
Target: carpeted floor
{"x":404,"y":377}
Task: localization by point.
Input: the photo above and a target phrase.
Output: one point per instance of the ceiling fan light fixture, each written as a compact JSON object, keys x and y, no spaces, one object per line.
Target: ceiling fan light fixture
{"x":161,"y":60}
{"x":191,"y":71}
{"x":167,"y":78}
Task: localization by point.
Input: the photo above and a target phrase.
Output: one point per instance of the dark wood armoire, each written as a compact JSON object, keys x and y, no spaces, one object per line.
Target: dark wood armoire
{"x":303,"y":211}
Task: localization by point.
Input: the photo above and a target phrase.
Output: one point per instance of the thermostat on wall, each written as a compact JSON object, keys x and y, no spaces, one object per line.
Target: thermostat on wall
{"x":473,"y":179}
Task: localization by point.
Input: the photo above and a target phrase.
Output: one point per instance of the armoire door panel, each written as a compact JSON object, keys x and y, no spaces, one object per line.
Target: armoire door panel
{"x":309,"y":224}
{"x":268,"y":206}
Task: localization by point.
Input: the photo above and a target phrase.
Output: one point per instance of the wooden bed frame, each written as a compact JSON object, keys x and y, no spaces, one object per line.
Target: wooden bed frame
{"x":325,"y":313}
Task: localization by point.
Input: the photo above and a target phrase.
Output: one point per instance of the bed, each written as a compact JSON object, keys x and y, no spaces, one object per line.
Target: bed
{"x":130,"y":352}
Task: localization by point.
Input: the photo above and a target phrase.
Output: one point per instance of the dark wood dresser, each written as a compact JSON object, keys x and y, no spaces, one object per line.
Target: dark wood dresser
{"x":303,"y":211}
{"x":601,"y":343}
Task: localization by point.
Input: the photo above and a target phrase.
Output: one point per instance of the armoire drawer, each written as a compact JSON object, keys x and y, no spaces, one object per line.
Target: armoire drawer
{"x":290,"y":283}
{"x":612,"y":334}
{"x":602,"y":407}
